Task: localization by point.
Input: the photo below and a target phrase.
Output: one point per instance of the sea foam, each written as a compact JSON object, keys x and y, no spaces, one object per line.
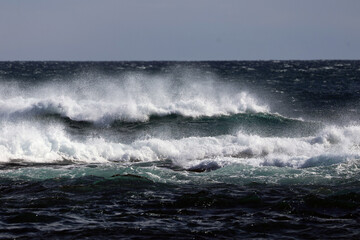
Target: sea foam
{"x":132,"y":97}
{"x":29,"y":142}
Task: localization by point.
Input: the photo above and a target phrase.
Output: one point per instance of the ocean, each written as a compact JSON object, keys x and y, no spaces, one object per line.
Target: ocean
{"x":180,"y":150}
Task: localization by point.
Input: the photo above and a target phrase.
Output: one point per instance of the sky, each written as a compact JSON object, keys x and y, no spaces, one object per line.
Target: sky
{"x":110,"y":30}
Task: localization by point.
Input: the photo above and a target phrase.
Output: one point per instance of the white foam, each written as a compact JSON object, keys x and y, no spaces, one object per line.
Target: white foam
{"x":132,"y":97}
{"x":48,"y":144}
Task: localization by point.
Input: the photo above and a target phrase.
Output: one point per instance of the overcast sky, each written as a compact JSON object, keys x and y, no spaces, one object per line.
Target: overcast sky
{"x":179,"y":30}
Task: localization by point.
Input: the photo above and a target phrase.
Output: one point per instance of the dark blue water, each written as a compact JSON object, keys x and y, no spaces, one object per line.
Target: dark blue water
{"x":253,"y":149}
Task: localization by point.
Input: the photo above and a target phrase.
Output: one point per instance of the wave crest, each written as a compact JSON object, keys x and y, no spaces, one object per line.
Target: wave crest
{"x":129,"y":98}
{"x":48,"y":144}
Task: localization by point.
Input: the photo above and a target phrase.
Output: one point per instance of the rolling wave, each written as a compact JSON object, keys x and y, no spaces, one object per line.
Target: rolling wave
{"x":129,"y":98}
{"x":26,"y":142}
{"x":196,"y":125}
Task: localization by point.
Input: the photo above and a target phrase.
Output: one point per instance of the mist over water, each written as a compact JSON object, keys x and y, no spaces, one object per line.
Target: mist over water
{"x":130,"y":98}
{"x":38,"y":122}
{"x":203,"y":128}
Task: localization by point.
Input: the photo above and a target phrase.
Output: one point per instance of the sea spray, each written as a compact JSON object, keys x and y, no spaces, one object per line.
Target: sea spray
{"x":256,"y":149}
{"x":132,"y":97}
{"x":51,"y":143}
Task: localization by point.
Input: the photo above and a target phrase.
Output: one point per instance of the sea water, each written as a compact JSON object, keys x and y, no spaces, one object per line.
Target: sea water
{"x":250,"y":149}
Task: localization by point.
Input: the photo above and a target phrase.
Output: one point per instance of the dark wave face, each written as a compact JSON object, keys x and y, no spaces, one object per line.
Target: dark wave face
{"x":208,"y":149}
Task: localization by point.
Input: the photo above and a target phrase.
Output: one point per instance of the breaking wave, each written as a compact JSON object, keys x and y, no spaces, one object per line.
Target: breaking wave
{"x":25,"y":142}
{"x":129,"y":98}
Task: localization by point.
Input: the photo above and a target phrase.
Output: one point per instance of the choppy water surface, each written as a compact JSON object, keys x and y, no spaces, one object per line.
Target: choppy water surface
{"x":180,"y":149}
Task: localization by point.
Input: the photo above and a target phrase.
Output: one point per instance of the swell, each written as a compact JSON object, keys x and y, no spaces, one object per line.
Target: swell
{"x":177,"y":126}
{"x":128,"y":98}
{"x":39,"y":143}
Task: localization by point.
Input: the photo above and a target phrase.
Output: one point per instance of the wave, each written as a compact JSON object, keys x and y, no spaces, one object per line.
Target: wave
{"x":129,"y":98}
{"x":29,"y":142}
{"x":176,"y":126}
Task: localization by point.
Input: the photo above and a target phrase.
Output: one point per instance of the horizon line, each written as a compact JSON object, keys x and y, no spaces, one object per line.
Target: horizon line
{"x":212,"y":60}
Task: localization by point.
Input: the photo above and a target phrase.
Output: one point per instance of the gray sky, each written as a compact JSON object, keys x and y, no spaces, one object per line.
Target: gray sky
{"x":179,"y":30}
